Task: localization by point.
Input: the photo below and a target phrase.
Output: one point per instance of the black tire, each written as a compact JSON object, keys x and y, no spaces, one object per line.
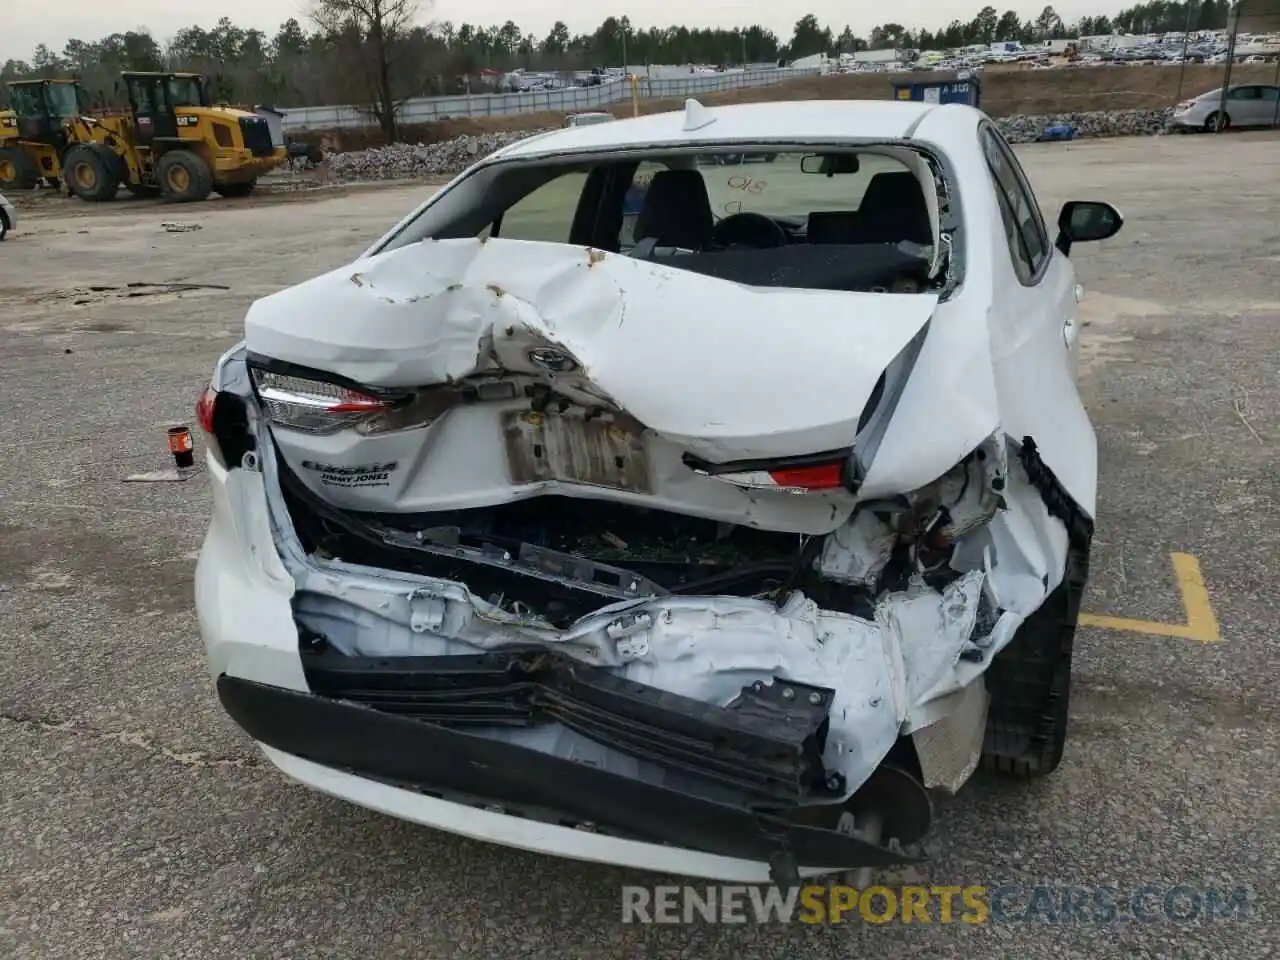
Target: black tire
{"x":242,"y":189}
{"x":91,"y":172}
{"x":1211,"y":122}
{"x":17,"y":170}
{"x":184,"y":177}
{"x":1029,"y":682}
{"x":142,"y":189}
{"x":4,"y":224}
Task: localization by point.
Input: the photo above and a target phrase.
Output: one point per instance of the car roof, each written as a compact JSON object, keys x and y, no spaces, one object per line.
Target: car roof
{"x":799,"y":120}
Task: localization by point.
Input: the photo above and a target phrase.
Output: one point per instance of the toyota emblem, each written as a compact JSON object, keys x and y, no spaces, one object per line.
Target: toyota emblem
{"x":552,"y":360}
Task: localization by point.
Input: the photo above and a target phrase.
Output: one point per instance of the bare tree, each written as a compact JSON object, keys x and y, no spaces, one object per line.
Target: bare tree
{"x":379,"y":25}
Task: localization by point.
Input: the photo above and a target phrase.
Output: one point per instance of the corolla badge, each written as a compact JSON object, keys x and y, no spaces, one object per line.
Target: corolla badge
{"x":552,"y":360}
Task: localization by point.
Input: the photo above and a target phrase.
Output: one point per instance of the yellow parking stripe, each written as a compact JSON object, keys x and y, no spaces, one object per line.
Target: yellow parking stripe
{"x":1201,"y":624}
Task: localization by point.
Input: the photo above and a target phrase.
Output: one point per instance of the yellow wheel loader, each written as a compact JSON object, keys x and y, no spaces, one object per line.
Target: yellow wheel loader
{"x":33,"y":135}
{"x":171,"y":142}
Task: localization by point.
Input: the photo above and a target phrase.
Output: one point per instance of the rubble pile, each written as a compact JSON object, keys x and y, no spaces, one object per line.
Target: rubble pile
{"x":1100,"y":123}
{"x":403,"y":161}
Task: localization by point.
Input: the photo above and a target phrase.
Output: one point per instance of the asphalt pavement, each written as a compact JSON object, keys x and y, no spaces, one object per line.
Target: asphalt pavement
{"x":137,"y":820}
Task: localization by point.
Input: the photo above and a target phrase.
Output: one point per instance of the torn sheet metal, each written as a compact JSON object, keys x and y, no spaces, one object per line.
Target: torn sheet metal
{"x":949,"y":749}
{"x":707,"y":648}
{"x":857,"y":552}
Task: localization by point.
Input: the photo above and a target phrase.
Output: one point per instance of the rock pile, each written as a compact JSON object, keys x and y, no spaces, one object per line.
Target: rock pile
{"x":1101,"y":123}
{"x":403,"y":161}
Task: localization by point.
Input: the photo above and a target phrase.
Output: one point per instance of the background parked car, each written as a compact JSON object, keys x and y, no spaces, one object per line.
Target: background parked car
{"x":8,"y":217}
{"x":1248,"y":105}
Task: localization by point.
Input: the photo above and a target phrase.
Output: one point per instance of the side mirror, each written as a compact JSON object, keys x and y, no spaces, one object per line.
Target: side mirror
{"x":1084,"y":220}
{"x":829,"y":164}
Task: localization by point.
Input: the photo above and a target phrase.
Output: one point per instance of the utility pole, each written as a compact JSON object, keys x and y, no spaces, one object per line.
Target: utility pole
{"x":624,"y":49}
{"x":1275,"y":114}
{"x":1186,"y":40}
{"x":1233,"y":27}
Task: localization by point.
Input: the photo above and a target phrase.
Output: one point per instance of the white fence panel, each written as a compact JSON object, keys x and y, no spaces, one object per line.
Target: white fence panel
{"x":567,"y":100}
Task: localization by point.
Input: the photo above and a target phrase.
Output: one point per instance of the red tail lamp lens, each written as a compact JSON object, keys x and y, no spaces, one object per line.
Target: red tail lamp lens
{"x":824,"y":476}
{"x":204,"y":409}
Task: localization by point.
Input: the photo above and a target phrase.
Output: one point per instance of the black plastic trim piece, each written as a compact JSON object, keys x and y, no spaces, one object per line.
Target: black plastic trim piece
{"x":1057,"y":500}
{"x":766,"y":744}
{"x":411,"y":753}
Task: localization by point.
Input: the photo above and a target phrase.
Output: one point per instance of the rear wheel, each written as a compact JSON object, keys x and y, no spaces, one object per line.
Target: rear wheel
{"x":17,"y":170}
{"x":184,"y":177}
{"x":4,"y":225}
{"x":1030,"y":683}
{"x":242,"y":189}
{"x":90,"y":173}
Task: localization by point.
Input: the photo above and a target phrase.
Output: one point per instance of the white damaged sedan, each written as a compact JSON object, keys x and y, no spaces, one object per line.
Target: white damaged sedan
{"x":632,"y":506}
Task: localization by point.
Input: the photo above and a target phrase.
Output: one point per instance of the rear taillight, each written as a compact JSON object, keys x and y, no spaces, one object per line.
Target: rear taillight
{"x":316,"y":406}
{"x":810,"y":474}
{"x":313,"y":406}
{"x":826,"y":476}
{"x":223,"y":419}
{"x":204,"y":409}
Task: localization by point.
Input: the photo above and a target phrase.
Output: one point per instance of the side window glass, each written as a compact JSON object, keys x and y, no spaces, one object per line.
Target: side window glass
{"x":545,"y":214}
{"x":1024,"y":225}
{"x":634,"y":200}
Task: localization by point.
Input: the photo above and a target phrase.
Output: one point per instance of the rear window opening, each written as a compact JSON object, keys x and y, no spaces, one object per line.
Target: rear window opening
{"x":856,"y":219}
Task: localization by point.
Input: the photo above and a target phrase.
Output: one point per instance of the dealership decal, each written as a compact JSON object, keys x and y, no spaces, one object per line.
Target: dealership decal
{"x":360,"y":475}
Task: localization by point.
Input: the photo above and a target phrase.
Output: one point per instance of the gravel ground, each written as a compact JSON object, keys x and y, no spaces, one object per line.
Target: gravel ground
{"x":136,"y":820}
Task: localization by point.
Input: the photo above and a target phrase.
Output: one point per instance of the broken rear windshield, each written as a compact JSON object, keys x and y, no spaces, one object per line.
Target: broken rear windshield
{"x":851,"y":220}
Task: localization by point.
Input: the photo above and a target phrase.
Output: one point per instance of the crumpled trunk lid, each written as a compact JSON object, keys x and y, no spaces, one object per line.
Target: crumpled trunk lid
{"x":723,"y":370}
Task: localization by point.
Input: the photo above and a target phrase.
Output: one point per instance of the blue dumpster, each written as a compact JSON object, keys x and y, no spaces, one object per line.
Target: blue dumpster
{"x":955,"y":90}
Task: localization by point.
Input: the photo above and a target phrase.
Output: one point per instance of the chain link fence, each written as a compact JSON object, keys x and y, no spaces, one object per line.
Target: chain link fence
{"x":566,"y":100}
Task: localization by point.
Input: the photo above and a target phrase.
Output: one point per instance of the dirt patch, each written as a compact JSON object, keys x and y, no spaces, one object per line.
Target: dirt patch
{"x":42,"y":204}
{"x":1004,"y":93}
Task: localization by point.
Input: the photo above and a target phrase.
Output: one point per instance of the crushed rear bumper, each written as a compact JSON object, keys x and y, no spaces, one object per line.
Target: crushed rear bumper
{"x":394,"y":747}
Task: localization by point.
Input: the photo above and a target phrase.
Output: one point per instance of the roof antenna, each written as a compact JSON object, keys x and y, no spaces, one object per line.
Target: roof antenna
{"x":696,"y":116}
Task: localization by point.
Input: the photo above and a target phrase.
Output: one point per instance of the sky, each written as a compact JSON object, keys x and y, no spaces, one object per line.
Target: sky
{"x":29,"y":22}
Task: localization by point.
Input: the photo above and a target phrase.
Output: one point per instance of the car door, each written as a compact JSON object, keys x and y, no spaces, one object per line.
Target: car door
{"x":1035,"y":329}
{"x":1244,"y":106}
{"x":1269,"y":101}
{"x":1046,"y":280}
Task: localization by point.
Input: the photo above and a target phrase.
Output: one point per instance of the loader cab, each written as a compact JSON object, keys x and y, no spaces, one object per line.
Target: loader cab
{"x":155,"y":98}
{"x":41,"y":107}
